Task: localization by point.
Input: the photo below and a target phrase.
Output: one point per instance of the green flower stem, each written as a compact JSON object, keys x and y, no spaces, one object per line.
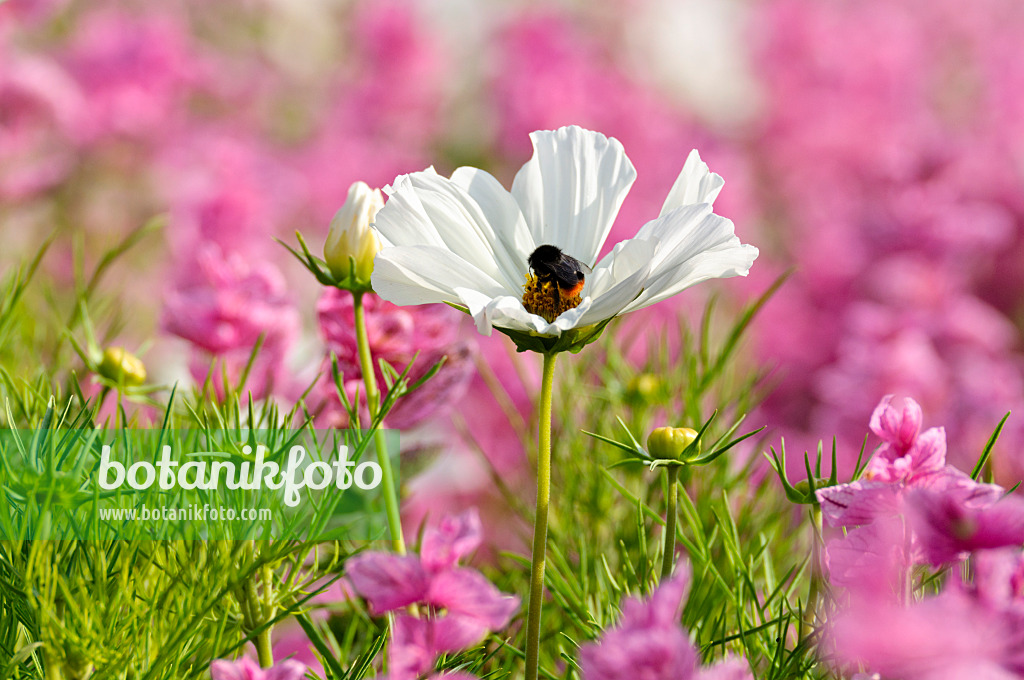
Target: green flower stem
{"x":668,"y":559}
{"x":373,"y":402}
{"x":264,"y":648}
{"x":540,"y":522}
{"x":811,"y":609}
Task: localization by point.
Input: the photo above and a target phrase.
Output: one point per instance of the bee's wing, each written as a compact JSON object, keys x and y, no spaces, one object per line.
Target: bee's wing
{"x":566,"y":270}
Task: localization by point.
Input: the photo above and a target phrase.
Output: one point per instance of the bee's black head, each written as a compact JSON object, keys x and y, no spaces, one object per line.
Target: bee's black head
{"x":543,"y":258}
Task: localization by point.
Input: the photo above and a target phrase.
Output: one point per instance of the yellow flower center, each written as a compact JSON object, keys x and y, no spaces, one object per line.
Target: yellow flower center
{"x":543,"y":298}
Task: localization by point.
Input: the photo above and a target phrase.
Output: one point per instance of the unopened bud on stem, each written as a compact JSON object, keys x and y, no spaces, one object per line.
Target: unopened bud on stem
{"x":670,"y":442}
{"x":122,"y":367}
{"x":350,"y":234}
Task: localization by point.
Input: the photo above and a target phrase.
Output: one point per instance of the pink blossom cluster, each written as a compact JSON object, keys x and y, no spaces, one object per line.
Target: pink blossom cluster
{"x":649,"y":643}
{"x":400,"y":336}
{"x":891,"y":159}
{"x":247,"y":669}
{"x":455,"y":606}
{"x":913,"y":509}
{"x":113,"y":112}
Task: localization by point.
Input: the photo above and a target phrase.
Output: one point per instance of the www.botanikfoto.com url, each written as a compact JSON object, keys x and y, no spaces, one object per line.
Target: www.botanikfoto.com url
{"x":191,"y":513}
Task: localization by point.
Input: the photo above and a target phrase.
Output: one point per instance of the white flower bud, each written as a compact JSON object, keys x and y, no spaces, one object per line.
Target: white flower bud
{"x":350,"y":234}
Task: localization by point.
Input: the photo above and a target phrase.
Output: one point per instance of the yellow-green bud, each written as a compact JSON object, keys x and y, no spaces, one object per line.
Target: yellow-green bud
{"x":121,"y":366}
{"x":643,"y":387}
{"x":669,"y":442}
{"x":350,"y":234}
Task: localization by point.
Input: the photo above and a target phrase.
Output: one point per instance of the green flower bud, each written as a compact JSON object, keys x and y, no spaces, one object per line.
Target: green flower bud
{"x":122,"y":367}
{"x":643,"y":387}
{"x":350,"y":234}
{"x":670,"y":442}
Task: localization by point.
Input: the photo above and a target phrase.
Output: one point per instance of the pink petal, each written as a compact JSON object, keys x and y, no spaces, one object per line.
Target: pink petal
{"x":286,"y":670}
{"x":411,"y":652}
{"x":453,"y":539}
{"x":898,"y":428}
{"x":947,"y":527}
{"x":857,"y":503}
{"x":243,"y":669}
{"x":929,"y":451}
{"x":727,"y":669}
{"x":387,"y":581}
{"x":664,"y":606}
{"x":663,"y":653}
{"x":467,"y":591}
{"x":883,"y":419}
{"x":454,"y":633}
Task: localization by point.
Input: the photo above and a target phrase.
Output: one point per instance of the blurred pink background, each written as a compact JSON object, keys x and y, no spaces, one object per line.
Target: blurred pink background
{"x":876,"y":146}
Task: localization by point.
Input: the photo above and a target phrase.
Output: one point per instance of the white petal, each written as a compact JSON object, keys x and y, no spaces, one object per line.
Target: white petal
{"x":695,"y":184}
{"x":620,"y":277}
{"x":416,"y":275}
{"x":695,"y":246}
{"x":571,"y":189}
{"x":503,"y":213}
{"x":506,"y":311}
{"x":426,"y":209}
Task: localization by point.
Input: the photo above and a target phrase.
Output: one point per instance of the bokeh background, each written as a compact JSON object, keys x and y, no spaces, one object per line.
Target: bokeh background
{"x":875,"y":147}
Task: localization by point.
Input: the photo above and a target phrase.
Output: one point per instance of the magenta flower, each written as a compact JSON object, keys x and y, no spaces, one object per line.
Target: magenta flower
{"x":41,"y":109}
{"x":247,"y":669}
{"x":222,"y":304}
{"x":952,"y":522}
{"x":947,"y":637}
{"x":458,"y":606}
{"x":136,"y":71}
{"x":968,"y":631}
{"x":650,"y":644}
{"x":905,"y":455}
{"x":906,"y":460}
{"x":873,"y":562}
{"x":395,"y":335}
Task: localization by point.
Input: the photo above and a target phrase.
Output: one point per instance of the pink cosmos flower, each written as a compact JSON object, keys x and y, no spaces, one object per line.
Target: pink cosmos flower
{"x":396,"y":334}
{"x":226,"y":187}
{"x":907,"y":459}
{"x":458,"y":606}
{"x":649,"y":643}
{"x":970,"y":630}
{"x":907,"y":453}
{"x":222,"y":304}
{"x":872,"y":562}
{"x":946,"y":637}
{"x":247,"y":669}
{"x":950,"y":523}
{"x":41,"y":106}
{"x":919,"y":215}
{"x":136,"y":71}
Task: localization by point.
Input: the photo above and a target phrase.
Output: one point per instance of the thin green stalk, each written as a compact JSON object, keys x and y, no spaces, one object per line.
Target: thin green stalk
{"x":373,"y":402}
{"x":811,"y":609}
{"x":668,"y":559}
{"x":540,"y":522}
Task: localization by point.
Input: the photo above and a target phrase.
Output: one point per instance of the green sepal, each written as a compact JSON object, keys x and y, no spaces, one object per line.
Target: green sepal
{"x":319,"y":269}
{"x":572,"y":340}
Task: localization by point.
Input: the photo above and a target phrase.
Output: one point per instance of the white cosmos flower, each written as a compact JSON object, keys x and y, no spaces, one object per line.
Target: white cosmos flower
{"x":466,"y":240}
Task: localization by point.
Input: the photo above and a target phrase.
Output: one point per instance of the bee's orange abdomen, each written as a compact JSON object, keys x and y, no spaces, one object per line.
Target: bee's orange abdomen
{"x":568,"y":293}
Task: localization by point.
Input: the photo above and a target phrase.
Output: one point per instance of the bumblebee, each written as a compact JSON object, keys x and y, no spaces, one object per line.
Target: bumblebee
{"x":550,"y":264}
{"x":556,"y":283}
